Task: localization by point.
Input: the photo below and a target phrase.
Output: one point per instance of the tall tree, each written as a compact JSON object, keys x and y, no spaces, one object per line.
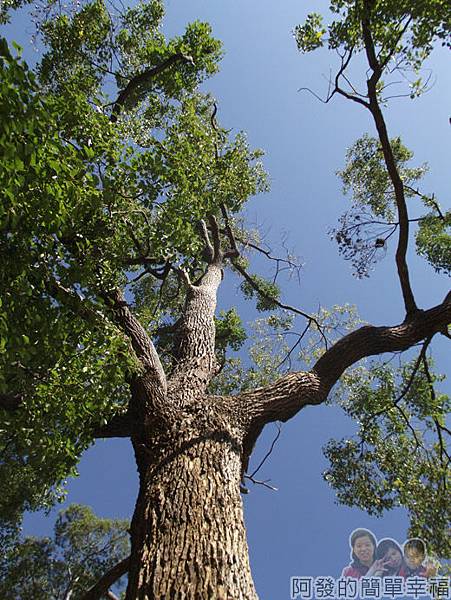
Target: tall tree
{"x":120,"y":217}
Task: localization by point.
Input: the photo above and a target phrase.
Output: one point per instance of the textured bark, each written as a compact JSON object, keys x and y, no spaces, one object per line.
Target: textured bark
{"x":187,"y":532}
{"x":188,"y":535}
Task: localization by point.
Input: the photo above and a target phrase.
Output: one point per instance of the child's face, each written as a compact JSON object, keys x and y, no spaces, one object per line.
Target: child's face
{"x":413,"y":557}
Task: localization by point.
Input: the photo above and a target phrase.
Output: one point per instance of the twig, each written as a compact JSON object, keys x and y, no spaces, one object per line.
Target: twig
{"x":267,"y":455}
{"x":267,"y":296}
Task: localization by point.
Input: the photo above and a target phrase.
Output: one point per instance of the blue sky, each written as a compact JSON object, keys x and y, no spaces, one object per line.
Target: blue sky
{"x":298,"y":530}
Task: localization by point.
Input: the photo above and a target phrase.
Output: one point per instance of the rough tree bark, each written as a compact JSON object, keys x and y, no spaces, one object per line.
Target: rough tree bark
{"x":192,"y":448}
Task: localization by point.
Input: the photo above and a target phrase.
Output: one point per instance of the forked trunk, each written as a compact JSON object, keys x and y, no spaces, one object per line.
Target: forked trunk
{"x":188,"y":535}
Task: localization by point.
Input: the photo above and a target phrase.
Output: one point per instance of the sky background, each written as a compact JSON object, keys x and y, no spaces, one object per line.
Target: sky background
{"x":298,"y":530}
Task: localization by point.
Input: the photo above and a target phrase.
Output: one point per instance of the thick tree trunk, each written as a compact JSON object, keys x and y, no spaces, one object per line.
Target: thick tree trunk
{"x":188,"y":535}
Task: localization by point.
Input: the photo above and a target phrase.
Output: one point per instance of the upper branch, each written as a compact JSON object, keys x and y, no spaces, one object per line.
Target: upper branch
{"x":398,"y":186}
{"x":144,"y":78}
{"x":275,"y":301}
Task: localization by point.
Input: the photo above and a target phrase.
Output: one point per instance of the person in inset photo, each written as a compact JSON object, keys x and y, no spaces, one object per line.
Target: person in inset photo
{"x":390,"y":558}
{"x":415,"y":561}
{"x":363,"y":547}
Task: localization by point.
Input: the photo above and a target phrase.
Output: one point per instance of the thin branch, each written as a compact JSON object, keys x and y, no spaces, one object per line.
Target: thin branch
{"x":439,"y":428}
{"x":268,"y":297}
{"x":426,"y":198}
{"x":264,"y":483}
{"x":287,"y":261}
{"x":267,"y":455}
{"x":406,"y":388}
{"x":293,"y":348}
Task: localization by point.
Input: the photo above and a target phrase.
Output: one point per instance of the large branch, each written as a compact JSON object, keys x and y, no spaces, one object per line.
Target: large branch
{"x":287,"y":396}
{"x":100,"y":589}
{"x":142,"y":344}
{"x":145,"y":78}
{"x":398,"y":186}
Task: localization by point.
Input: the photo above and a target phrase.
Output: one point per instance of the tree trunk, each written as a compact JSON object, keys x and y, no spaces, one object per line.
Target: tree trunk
{"x":188,"y":535}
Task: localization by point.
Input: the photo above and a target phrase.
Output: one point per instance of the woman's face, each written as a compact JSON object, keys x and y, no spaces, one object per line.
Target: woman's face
{"x":364,"y":550}
{"x":393,"y":558}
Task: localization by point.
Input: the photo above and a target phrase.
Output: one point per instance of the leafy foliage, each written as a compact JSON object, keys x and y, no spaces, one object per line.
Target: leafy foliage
{"x":434,"y":240}
{"x":46,"y":354}
{"x":405,"y":28}
{"x":366,"y":227}
{"x":265,"y":292}
{"x":86,"y":201}
{"x":82,"y":549}
{"x":398,"y":456}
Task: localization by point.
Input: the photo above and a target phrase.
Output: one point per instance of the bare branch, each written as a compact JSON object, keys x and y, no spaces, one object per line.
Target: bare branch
{"x":267,"y":455}
{"x":293,"y":348}
{"x":264,"y":483}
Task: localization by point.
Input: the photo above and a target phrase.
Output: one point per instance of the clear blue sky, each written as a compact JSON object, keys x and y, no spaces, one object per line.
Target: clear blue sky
{"x":298,"y":530}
